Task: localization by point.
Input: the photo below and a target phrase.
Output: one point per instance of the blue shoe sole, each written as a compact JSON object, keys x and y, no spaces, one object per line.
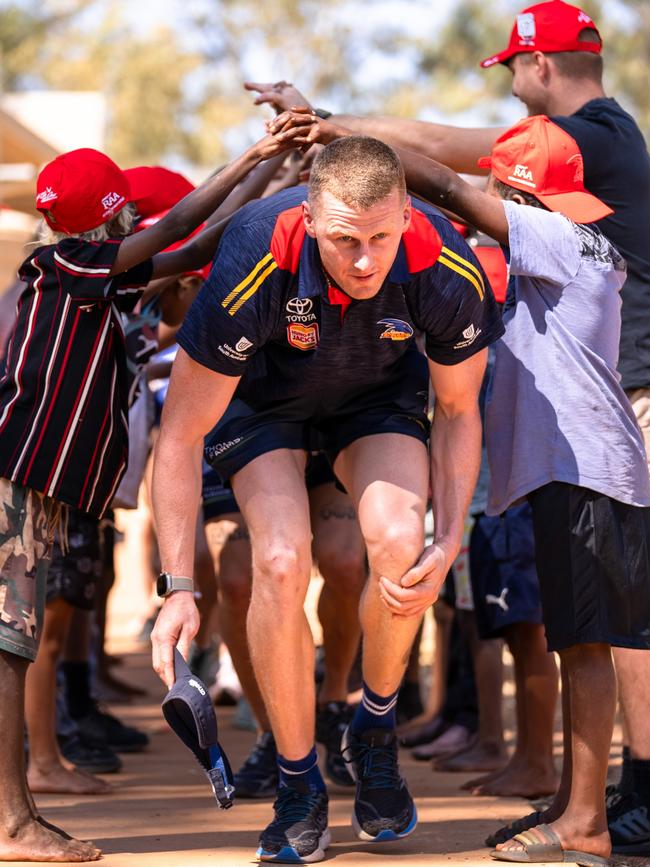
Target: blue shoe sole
{"x":288,"y":855}
{"x":385,"y":836}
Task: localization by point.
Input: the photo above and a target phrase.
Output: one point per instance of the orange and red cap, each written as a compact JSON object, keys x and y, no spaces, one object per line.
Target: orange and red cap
{"x":539,"y":157}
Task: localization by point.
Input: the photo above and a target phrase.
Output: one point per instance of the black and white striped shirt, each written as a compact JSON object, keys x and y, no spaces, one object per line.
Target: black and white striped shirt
{"x":64,"y":393}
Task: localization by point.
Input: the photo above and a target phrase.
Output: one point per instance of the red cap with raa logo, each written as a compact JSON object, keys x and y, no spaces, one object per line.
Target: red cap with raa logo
{"x":80,"y":190}
{"x":540,"y":158}
{"x":156,"y":189}
{"x":548,"y":27}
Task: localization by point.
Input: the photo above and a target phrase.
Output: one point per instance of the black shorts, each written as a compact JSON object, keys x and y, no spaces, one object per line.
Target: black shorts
{"x":502,"y":571}
{"x":74,"y":574}
{"x":593,"y":562}
{"x":245,"y":433}
{"x":218,"y":498}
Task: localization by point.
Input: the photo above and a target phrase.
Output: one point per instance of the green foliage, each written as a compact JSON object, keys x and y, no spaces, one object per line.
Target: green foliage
{"x":175,"y":92}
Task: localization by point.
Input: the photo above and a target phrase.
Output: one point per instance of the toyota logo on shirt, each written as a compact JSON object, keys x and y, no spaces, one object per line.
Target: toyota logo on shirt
{"x":300,"y":310}
{"x":300,"y":306}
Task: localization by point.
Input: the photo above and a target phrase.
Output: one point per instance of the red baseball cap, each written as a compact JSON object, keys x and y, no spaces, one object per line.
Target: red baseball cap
{"x":539,"y":157}
{"x":156,"y":189}
{"x":80,"y":190}
{"x":551,"y":26}
{"x":153,"y":219}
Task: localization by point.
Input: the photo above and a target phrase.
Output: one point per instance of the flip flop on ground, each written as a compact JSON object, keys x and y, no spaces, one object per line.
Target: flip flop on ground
{"x":549,"y":850}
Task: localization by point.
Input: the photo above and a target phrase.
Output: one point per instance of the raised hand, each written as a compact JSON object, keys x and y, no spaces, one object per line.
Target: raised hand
{"x":282,"y":95}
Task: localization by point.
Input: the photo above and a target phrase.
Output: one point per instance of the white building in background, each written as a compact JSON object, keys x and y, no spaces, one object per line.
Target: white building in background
{"x":35,"y":126}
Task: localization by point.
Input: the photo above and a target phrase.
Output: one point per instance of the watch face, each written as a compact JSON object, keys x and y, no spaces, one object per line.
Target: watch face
{"x":162,"y":584}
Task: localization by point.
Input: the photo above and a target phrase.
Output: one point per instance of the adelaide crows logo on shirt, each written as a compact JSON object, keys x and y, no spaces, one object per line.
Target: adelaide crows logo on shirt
{"x":395,"y":329}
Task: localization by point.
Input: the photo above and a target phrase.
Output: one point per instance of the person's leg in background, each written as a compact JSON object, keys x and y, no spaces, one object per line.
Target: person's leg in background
{"x":340,"y":555}
{"x":426,"y":727}
{"x":47,"y":770}
{"x":229,"y":545}
{"x":531,"y":771}
{"x":507,"y":602}
{"x":204,"y":654}
{"x":487,"y":751}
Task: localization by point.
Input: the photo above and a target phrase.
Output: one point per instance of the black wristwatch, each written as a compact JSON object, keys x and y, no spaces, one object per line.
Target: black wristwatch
{"x":168,"y":583}
{"x":323,"y":113}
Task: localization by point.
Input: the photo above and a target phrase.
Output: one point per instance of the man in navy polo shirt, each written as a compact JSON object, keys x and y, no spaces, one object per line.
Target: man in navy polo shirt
{"x":303,"y":337}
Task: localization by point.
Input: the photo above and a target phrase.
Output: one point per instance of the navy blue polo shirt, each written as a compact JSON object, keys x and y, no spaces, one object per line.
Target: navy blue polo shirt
{"x":267,"y":314}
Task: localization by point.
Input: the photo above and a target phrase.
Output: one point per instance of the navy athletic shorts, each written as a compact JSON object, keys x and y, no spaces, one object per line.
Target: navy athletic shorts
{"x":218,"y":499}
{"x":245,"y":433}
{"x":502,"y":571}
{"x":593,"y":562}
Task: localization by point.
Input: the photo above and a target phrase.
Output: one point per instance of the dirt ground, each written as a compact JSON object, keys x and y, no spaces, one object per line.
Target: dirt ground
{"x":161,"y":810}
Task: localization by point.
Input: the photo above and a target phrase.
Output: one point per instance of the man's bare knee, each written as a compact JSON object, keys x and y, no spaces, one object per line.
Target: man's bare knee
{"x":281,"y":577}
{"x":395,"y":548}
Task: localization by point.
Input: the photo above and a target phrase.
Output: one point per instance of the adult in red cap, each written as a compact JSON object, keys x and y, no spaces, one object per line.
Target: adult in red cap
{"x":554,"y":56}
{"x":549,"y":27}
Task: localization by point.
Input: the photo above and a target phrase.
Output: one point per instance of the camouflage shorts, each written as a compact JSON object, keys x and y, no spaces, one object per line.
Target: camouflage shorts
{"x":27,"y":521}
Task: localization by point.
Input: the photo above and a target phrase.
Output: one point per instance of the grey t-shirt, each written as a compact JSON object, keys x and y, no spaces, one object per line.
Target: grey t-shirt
{"x":556,"y":410}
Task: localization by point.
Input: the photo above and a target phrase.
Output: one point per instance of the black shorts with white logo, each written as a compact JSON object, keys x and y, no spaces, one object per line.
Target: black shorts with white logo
{"x":593,"y":563}
{"x":245,"y":433}
{"x":502,"y":571}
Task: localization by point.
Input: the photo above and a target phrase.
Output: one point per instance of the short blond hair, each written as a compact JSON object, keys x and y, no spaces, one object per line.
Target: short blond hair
{"x":118,"y":226}
{"x":358,"y":170}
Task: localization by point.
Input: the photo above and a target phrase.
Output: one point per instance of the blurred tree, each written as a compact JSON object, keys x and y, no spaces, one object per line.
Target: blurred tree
{"x":175,"y":93}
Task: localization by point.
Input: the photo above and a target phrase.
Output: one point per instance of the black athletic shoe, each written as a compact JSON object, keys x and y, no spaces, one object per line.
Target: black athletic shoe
{"x":331,"y":721}
{"x":92,"y":757}
{"x":628,"y":819}
{"x":258,"y":776}
{"x":298,"y":834}
{"x":383,"y":807}
{"x":99,"y":727}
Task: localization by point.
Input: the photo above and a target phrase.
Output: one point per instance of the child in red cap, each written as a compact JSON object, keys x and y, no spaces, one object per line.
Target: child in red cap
{"x":63,"y":410}
{"x":561,"y":433}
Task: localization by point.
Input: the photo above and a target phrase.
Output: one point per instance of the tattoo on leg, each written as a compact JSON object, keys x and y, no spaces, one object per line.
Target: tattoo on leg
{"x":345,"y":513}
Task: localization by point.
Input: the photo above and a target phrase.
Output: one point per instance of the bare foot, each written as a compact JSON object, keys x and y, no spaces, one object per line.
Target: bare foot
{"x":479,"y":757}
{"x":34,"y":842}
{"x":60,"y":780}
{"x":523,"y":782}
{"x":595,"y":842}
{"x":468,"y":785}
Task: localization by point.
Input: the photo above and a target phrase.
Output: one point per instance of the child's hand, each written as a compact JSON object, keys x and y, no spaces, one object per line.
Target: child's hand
{"x":293,"y":133}
{"x":305,"y":128}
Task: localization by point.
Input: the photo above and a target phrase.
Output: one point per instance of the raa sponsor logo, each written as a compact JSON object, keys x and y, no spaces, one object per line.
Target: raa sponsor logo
{"x":302,"y":336}
{"x":395,"y":329}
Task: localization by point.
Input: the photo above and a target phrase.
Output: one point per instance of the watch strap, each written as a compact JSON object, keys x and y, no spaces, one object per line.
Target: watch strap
{"x":180,"y":582}
{"x":322,"y":113}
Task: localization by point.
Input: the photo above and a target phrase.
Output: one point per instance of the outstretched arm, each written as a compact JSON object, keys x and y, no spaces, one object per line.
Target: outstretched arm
{"x":454,"y":146}
{"x":427,"y":178}
{"x":196,"y":207}
{"x":196,"y":400}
